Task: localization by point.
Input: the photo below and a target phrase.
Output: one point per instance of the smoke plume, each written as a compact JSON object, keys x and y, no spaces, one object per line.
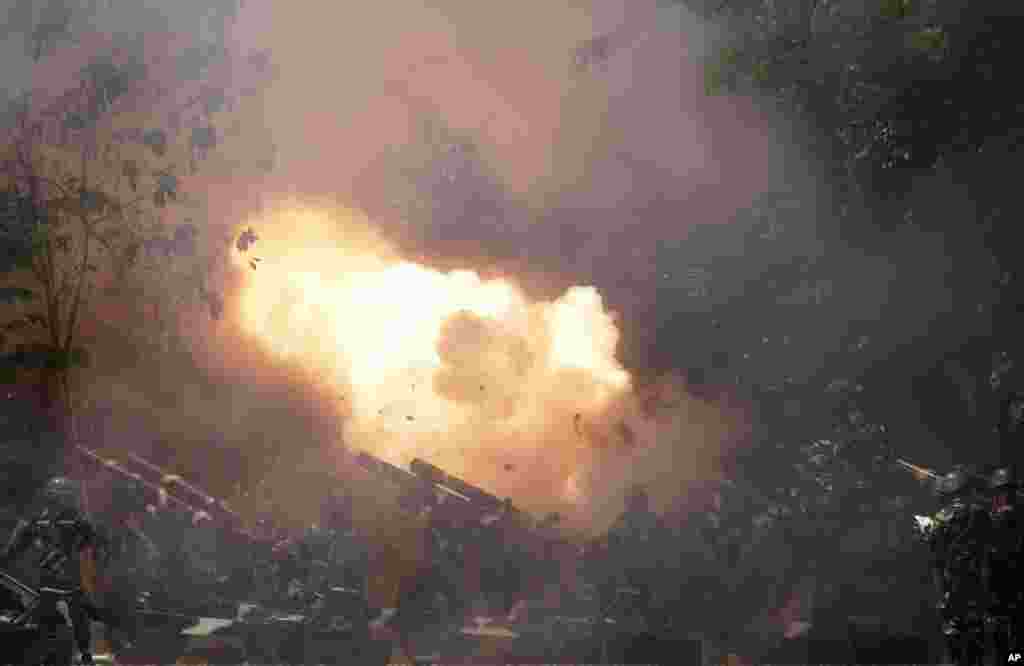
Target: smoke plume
{"x":523,"y":397}
{"x":468,"y":243}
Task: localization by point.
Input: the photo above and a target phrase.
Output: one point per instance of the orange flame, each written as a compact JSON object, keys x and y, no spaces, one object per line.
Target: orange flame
{"x":465,"y":372}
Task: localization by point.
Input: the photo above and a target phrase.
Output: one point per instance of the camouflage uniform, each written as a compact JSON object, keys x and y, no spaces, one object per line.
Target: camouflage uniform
{"x":959,"y":541}
{"x":61,"y":536}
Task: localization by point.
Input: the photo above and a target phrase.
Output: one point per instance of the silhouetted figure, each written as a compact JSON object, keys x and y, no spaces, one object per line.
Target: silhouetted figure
{"x":61,"y":536}
{"x":959,"y":540}
{"x":636,"y":543}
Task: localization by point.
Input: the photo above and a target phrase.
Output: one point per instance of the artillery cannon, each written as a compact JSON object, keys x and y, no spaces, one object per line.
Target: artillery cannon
{"x":428,"y":484}
{"x":468,"y":515}
{"x":162,"y":486}
{"x":416,"y":492}
{"x":448,"y":483}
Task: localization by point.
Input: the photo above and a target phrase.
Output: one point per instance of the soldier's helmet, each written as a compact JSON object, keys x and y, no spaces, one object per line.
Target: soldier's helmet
{"x":1002,"y":478}
{"x":953,"y":483}
{"x":61,"y":493}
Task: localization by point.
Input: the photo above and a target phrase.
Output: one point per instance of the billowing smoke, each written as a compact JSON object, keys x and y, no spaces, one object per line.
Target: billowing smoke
{"x":523,"y":397}
{"x":515,"y":192}
{"x":500,"y":170}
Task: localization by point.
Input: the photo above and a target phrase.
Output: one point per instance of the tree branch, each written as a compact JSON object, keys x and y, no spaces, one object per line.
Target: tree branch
{"x":82,"y":278}
{"x":64,"y":286}
{"x":45,"y":272}
{"x":52,"y":299}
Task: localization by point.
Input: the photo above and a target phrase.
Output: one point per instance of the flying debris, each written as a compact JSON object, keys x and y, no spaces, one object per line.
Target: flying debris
{"x":246,"y":240}
{"x":416,"y":393}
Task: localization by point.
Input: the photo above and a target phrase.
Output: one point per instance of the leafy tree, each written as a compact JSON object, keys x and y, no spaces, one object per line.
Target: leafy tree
{"x":893,"y":93}
{"x":88,"y":201}
{"x":60,"y":217}
{"x":901,"y":92}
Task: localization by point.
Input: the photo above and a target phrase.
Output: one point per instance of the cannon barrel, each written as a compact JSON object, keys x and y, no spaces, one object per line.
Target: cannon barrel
{"x":166,"y":478}
{"x":412,"y":488}
{"x":438,"y":477}
{"x":393,"y":473}
{"x":154,"y":480}
{"x":118,"y":468}
{"x":920,"y":472}
{"x":427,"y":479}
{"x":405,"y":479}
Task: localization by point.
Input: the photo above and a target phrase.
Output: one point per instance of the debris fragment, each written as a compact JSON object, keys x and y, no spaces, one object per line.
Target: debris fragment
{"x":246,"y":240}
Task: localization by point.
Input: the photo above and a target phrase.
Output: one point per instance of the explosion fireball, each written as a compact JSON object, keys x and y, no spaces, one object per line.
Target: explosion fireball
{"x":464,"y":372}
